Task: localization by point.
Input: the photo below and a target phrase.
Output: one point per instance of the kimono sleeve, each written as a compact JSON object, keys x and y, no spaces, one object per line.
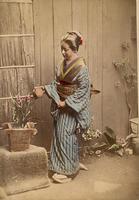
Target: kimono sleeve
{"x":80,"y":99}
{"x":52,"y":92}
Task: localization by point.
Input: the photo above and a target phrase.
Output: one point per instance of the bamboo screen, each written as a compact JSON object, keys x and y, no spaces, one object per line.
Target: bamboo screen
{"x":16,"y":52}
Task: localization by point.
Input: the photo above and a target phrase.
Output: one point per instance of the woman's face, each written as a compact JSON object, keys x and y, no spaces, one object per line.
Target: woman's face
{"x":66,"y":51}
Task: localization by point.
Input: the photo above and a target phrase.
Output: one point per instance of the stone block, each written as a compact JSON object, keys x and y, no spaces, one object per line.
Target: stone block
{"x":23,"y":171}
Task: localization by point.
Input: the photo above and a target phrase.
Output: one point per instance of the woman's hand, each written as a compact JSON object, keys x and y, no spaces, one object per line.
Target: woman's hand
{"x":61,"y":104}
{"x":39,"y":91}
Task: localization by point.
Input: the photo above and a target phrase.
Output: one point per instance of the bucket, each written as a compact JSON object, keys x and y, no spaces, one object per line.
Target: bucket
{"x":135,"y":145}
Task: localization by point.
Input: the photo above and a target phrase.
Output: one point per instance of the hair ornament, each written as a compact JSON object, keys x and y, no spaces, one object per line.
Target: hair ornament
{"x":81,"y":40}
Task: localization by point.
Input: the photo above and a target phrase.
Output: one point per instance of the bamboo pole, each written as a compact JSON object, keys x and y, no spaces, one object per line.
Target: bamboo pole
{"x":17,"y":35}
{"x":17,"y":66}
{"x":22,"y":96}
{"x":15,"y":1}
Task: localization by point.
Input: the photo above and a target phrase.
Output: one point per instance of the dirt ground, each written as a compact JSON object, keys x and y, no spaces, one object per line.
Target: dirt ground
{"x":109,"y":177}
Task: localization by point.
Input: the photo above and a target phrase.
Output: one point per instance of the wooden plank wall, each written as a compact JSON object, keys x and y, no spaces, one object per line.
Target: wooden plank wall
{"x":94,"y":39}
{"x":105,"y":26}
{"x":45,"y":59}
{"x":117,"y":28}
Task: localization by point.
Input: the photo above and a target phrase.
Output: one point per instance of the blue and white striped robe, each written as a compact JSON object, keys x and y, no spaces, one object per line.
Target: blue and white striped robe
{"x":64,"y":156}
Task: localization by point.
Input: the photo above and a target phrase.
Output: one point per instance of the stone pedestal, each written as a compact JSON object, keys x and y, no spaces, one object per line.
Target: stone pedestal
{"x":23,"y":171}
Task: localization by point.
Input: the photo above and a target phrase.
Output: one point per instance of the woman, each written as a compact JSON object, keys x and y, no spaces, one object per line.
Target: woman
{"x":70,"y":94}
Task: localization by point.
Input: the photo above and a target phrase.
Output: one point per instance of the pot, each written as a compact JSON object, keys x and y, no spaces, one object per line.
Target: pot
{"x":135,"y":145}
{"x":19,"y":138}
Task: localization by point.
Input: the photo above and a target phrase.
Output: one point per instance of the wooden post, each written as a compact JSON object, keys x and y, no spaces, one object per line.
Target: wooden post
{"x":137,"y":17}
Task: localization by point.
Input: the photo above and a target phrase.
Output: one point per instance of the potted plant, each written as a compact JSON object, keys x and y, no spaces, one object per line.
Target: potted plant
{"x":21,"y":129}
{"x":93,"y":141}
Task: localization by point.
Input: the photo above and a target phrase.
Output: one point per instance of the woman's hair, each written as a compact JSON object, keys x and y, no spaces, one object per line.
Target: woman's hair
{"x":73,"y":39}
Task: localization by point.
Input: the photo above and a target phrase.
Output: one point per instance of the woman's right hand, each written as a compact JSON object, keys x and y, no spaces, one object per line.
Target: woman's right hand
{"x":61,"y":104}
{"x":38,"y":91}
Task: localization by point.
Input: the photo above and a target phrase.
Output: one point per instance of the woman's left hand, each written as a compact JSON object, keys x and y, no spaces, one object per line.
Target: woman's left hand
{"x":39,"y":91}
{"x":61,"y":104}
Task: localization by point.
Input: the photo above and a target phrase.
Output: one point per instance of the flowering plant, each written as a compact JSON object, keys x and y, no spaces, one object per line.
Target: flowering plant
{"x":93,"y":140}
{"x":22,"y":106}
{"x":91,"y":133}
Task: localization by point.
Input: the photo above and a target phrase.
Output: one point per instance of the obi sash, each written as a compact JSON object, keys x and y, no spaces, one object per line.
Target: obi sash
{"x":65,"y":84}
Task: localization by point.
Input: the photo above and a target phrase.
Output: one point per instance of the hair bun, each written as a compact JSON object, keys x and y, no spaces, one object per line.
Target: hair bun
{"x":78,"y":34}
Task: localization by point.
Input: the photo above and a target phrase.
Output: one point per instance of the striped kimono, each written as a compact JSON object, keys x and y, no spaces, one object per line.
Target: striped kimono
{"x":72,"y":85}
